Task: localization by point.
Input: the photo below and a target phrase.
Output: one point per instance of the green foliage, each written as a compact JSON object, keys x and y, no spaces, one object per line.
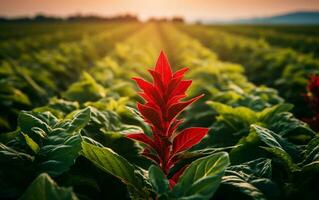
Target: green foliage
{"x":282,"y":68}
{"x":74,"y":137}
{"x":44,"y":188}
{"x":84,"y":90}
{"x":158,"y":180}
{"x":202,"y":178}
{"x":112,"y":163}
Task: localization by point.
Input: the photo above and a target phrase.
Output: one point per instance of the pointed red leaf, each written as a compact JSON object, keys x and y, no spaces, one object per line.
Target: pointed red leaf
{"x":163,"y":68}
{"x":172,"y":183}
{"x":181,"y":88}
{"x":188,"y":138}
{"x":150,"y":114}
{"x":176,"y":176}
{"x":177,"y":108}
{"x":147,"y":153}
{"x":172,"y":85}
{"x":175,"y":99}
{"x":174,"y":125}
{"x":150,"y":90}
{"x":180,"y":72}
{"x":157,"y":77}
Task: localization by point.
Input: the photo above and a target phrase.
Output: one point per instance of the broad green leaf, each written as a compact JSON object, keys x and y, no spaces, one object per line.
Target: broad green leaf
{"x":251,"y":178}
{"x":260,"y":167}
{"x":288,"y":126}
{"x":27,"y":121}
{"x":274,"y":140}
{"x":31,"y":143}
{"x":44,"y":188}
{"x":236,"y":180}
{"x":112,"y":163}
{"x":202,"y":178}
{"x":58,"y":107}
{"x":56,"y":148}
{"x":79,"y":120}
{"x":158,"y":180}
{"x":247,"y":115}
{"x":266,"y":136}
{"x":266,"y":114}
{"x":8,"y":154}
{"x":87,"y":89}
{"x":60,"y":151}
{"x":284,"y":157}
{"x":312,"y":151}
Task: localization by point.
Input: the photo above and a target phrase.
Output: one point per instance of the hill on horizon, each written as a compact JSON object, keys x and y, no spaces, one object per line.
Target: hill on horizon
{"x":300,"y":17}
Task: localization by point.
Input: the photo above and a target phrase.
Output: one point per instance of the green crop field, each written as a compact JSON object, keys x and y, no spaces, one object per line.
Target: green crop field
{"x":68,"y":104}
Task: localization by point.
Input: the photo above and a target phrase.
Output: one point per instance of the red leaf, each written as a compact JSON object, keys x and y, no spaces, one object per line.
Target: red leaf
{"x":188,"y":138}
{"x":149,"y":90}
{"x":157,"y":79}
{"x":151,"y":115}
{"x":176,"y":176}
{"x":174,"y":125}
{"x":172,"y":85}
{"x":172,"y":183}
{"x":147,"y":153}
{"x":177,"y":108}
{"x":175,"y":99}
{"x":180,"y":72}
{"x":141,"y":137}
{"x":181,"y":88}
{"x":163,"y":68}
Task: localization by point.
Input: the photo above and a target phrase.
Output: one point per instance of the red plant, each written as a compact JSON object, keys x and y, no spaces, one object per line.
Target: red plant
{"x":312,"y":97}
{"x":162,"y":106}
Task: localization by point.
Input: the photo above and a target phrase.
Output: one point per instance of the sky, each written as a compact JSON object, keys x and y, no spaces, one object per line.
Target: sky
{"x":189,"y":9}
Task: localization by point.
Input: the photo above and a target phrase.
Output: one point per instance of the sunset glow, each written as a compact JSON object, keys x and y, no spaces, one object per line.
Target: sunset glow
{"x":191,"y":9}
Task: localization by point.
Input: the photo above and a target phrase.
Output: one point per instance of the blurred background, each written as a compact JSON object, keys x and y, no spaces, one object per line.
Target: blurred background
{"x":208,"y":11}
{"x":65,"y":79}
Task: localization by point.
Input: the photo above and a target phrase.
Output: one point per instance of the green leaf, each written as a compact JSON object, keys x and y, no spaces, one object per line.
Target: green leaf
{"x":158,"y":180}
{"x":44,"y":188}
{"x":202,"y":178}
{"x":284,"y":157}
{"x":60,"y":152}
{"x":251,"y":178}
{"x":288,"y":126}
{"x":267,"y":114}
{"x":112,"y":163}
{"x":260,"y":167}
{"x":266,"y":136}
{"x":87,"y":89}
{"x":236,"y":180}
{"x":80,"y":120}
{"x":245,"y":114}
{"x":274,"y":140}
{"x":31,"y":143}
{"x":28,"y":120}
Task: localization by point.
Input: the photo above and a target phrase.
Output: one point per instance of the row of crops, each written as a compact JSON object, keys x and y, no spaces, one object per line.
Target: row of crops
{"x":73,"y":143}
{"x":30,"y":79}
{"x":285,"y":69}
{"x":303,"y":42}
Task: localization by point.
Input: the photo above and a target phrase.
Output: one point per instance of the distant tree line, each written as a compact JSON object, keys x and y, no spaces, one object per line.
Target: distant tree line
{"x":164,"y":19}
{"x":73,"y":18}
{"x":87,"y":18}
